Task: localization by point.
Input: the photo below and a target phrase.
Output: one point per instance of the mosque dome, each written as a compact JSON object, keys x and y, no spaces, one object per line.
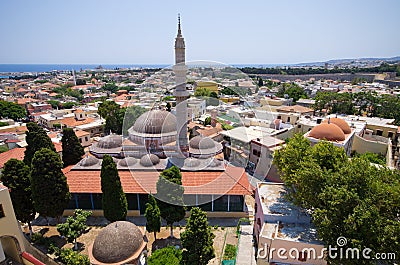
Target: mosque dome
{"x":200,"y":142}
{"x":127,"y":161}
{"x":155,"y":122}
{"x":117,"y":242}
{"x":110,"y":141}
{"x":149,"y":160}
{"x":341,"y":123}
{"x":327,"y":131}
{"x":215,"y":162}
{"x":89,"y":161}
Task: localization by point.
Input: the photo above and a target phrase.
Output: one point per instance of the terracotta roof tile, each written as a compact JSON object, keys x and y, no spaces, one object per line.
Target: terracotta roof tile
{"x":231,"y":181}
{"x":17,"y":153}
{"x":72,"y":122}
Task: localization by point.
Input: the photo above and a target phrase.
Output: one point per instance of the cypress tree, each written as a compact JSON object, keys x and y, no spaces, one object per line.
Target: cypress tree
{"x":50,"y":190}
{"x":16,"y":176}
{"x":72,"y":149}
{"x":115,"y":205}
{"x":170,"y":196}
{"x":36,"y":138}
{"x":197,"y":239}
{"x":153,"y":216}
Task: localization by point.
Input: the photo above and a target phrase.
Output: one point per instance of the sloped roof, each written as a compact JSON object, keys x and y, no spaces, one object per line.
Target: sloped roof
{"x":17,"y":153}
{"x":232,"y":181}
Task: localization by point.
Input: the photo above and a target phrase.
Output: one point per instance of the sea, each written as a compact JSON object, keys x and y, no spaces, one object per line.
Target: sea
{"x":40,"y":68}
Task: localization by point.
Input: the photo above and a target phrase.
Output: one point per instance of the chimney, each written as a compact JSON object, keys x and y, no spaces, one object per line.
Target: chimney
{"x":214,"y":113}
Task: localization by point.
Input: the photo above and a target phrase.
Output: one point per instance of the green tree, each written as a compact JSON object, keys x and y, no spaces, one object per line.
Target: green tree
{"x":74,"y":226}
{"x":213,"y":94}
{"x":170,"y":196}
{"x":202,"y":92}
{"x":11,"y":110}
{"x":70,"y":257}
{"x":153,"y":216}
{"x":50,"y":190}
{"x":197,"y":239}
{"x":114,"y":201}
{"x":128,"y":117}
{"x":349,"y":198}
{"x":36,"y":138}
{"x":168,"y":107}
{"x":166,"y":256}
{"x":207,"y":121}
{"x":72,"y":150}
{"x":292,"y":90}
{"x":107,"y":108}
{"x":260,"y":82}
{"x":111,"y":87}
{"x":16,"y":176}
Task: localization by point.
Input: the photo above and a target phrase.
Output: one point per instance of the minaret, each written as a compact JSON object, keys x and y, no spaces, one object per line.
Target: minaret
{"x":181,"y":94}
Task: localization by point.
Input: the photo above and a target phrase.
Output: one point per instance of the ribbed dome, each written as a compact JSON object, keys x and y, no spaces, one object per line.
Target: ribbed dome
{"x":200,"y":142}
{"x":89,"y":161}
{"x":341,"y":123}
{"x":155,"y":122}
{"x":116,"y":242}
{"x":149,"y":160}
{"x":325,"y":131}
{"x":110,"y":141}
{"x":127,"y":161}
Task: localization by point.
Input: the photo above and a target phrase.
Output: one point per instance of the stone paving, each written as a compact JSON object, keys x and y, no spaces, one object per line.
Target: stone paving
{"x":246,"y":251}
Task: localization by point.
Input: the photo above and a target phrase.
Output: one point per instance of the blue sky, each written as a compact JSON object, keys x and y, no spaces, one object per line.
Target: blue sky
{"x":233,"y":32}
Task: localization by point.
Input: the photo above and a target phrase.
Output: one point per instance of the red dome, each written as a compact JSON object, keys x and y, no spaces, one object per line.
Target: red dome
{"x":325,"y":131}
{"x":341,"y":123}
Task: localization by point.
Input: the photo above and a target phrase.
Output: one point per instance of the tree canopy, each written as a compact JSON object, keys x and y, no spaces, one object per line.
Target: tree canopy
{"x":153,"y":216}
{"x":16,"y":176}
{"x":11,"y":110}
{"x":349,"y":198}
{"x":170,"y":196}
{"x":36,"y":138}
{"x":165,"y":256}
{"x":197,"y":239}
{"x":115,"y":205}
{"x":72,"y":150}
{"x":292,"y":90}
{"x":362,"y":103}
{"x":74,"y":226}
{"x":119,"y":120}
{"x":50,"y":190}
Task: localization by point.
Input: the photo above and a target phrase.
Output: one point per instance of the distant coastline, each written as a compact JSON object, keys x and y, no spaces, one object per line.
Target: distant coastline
{"x":40,"y":68}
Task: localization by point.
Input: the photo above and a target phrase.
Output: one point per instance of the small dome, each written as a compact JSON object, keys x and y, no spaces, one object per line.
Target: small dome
{"x":127,"y":161}
{"x":110,"y":141}
{"x":117,"y":242}
{"x":200,"y":142}
{"x":341,"y":123}
{"x":149,"y":160}
{"x":327,"y":131}
{"x":89,"y":161}
{"x":215,"y":162}
{"x":191,"y":162}
{"x":155,"y":122}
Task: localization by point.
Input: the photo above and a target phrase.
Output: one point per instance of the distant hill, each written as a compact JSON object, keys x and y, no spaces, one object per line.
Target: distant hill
{"x":351,"y":61}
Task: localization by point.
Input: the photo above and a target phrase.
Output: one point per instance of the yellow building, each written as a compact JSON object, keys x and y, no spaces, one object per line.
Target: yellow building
{"x":210,"y":85}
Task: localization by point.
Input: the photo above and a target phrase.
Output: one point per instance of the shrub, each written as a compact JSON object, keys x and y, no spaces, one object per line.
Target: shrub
{"x":70,"y":257}
{"x":230,"y":252}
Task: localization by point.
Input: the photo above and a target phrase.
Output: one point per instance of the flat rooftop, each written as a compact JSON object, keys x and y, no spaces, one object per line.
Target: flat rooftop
{"x":306,"y":233}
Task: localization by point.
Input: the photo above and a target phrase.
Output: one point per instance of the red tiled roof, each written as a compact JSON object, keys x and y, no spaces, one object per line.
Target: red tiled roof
{"x":232,"y":181}
{"x":58,"y":147}
{"x":80,"y":133}
{"x":72,"y":122}
{"x":17,"y":153}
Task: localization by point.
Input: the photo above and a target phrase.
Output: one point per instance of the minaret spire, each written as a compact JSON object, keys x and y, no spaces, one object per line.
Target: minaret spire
{"x":181,"y":94}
